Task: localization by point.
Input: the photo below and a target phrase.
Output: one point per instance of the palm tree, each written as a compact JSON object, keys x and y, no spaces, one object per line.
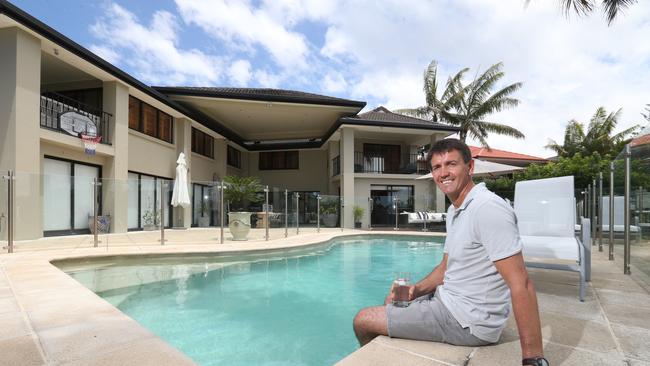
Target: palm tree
{"x":431,"y":111}
{"x":474,"y":102}
{"x":584,"y":7}
{"x":467,"y":106}
{"x":598,"y":137}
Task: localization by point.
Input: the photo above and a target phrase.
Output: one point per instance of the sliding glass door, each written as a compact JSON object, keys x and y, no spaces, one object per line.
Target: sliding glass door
{"x":68,"y":196}
{"x":384,"y":198}
{"x":144,"y":201}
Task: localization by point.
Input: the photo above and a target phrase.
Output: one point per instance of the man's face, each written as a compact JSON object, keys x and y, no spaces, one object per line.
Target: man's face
{"x":451,"y":174}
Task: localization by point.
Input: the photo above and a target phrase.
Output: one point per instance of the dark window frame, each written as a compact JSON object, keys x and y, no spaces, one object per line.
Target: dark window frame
{"x":158,"y":122}
{"x":279,"y":160}
{"x":233,"y":157}
{"x":206,"y":147}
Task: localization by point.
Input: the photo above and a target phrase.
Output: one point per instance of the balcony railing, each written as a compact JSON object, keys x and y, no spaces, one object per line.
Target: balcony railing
{"x":336,"y":166}
{"x":390,"y":164}
{"x":69,"y":116}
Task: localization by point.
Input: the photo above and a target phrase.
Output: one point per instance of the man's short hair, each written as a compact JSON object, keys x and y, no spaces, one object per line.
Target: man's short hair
{"x":447,"y":145}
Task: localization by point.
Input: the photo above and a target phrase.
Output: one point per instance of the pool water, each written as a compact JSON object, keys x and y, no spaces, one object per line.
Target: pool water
{"x":281,"y":311}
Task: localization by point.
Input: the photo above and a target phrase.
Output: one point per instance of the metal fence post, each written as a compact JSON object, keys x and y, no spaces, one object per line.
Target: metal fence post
{"x":286,"y":213}
{"x":626,"y":224}
{"x":96,"y":185}
{"x":162,"y":212}
{"x":611,"y":211}
{"x":426,"y":213}
{"x":266,"y":211}
{"x":342,"y":208}
{"x":395,"y":205}
{"x":370,"y":213}
{"x":10,"y":177}
{"x":318,"y":198}
{"x":600,"y":211}
{"x":222,"y":213}
{"x":297,"y":195}
{"x":594,"y":213}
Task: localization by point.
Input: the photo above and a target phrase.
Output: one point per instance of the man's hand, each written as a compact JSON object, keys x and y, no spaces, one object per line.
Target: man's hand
{"x":393,"y":292}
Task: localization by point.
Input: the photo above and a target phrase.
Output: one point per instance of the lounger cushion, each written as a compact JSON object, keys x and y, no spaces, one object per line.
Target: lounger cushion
{"x":552,"y":247}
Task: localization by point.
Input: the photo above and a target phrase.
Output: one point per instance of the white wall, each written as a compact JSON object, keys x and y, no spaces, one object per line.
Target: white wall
{"x":312,"y":174}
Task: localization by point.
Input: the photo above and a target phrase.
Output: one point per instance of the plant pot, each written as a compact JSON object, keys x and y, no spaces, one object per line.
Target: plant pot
{"x":103,"y":224}
{"x":239,"y":224}
{"x":204,"y":221}
{"x":357,"y":225}
{"x":149,"y":227}
{"x":329,"y":220}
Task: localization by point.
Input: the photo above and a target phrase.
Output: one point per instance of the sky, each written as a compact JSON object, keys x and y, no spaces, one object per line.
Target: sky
{"x":377,"y":51}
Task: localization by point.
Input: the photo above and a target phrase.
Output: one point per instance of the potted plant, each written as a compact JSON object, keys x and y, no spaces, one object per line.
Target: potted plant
{"x":357,"y":212}
{"x":328,"y":211}
{"x":103,"y":223}
{"x":204,"y":219}
{"x":238,"y":191}
{"x":150,"y":219}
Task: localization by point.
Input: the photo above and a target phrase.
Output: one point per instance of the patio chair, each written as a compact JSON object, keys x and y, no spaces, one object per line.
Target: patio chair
{"x":546,"y":217}
{"x":619,"y":220}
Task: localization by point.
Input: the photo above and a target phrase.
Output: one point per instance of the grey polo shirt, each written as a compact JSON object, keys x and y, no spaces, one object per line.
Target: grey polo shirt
{"x":479,"y":232}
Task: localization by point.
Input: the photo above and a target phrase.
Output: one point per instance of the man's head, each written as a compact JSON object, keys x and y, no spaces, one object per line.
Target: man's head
{"x":451,"y":168}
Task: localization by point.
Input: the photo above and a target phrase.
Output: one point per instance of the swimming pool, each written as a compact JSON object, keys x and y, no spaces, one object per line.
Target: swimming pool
{"x":294,"y":310}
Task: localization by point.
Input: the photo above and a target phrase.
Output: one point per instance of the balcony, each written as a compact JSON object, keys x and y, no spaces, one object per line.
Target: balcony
{"x":390,"y":164}
{"x":68,"y":116}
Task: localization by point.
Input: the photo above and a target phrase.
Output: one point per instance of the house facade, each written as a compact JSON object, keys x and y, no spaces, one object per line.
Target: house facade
{"x":54,"y":93}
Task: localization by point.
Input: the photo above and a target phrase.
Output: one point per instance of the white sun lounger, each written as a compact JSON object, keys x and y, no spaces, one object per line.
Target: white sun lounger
{"x":619,"y":220}
{"x":546,"y":217}
{"x":421,"y":217}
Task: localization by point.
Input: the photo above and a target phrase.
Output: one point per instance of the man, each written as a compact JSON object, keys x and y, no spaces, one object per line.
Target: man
{"x":465,"y":300}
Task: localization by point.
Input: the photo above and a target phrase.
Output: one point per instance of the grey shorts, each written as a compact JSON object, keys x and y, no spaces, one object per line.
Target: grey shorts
{"x":427,"y":319}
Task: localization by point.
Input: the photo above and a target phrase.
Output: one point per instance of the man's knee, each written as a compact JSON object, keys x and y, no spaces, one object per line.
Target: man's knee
{"x":361,"y":319}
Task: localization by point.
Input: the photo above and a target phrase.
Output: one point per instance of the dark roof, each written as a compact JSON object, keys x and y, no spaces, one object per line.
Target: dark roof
{"x":381,"y":116}
{"x":262,"y":94}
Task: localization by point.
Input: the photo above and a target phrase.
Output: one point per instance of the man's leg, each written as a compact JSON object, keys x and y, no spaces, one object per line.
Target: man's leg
{"x":370,"y":323}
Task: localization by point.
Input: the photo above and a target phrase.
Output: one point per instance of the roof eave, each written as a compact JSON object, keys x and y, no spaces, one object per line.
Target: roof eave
{"x":266,"y":98}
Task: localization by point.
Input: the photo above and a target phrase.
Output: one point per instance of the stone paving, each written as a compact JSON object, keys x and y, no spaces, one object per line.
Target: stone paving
{"x":50,"y":319}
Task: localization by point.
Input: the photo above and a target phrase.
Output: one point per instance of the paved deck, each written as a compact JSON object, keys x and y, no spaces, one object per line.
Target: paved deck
{"x":48,"y":318}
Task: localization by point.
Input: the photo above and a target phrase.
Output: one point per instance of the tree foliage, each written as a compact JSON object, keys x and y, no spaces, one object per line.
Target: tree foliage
{"x":610,"y":8}
{"x":598,"y":138}
{"x":468,"y":106}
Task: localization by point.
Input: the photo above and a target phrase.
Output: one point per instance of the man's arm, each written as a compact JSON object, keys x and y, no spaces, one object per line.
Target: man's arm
{"x":524,"y":304}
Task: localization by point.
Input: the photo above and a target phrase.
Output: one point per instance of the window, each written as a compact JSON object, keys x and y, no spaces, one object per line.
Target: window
{"x":278,"y":160}
{"x":144,"y":193}
{"x":202,"y":143}
{"x":234,"y":157}
{"x":149,"y":120}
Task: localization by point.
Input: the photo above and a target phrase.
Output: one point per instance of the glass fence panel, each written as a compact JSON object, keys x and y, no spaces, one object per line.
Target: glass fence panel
{"x":361,"y":212}
{"x":640,"y":203}
{"x":330,"y":211}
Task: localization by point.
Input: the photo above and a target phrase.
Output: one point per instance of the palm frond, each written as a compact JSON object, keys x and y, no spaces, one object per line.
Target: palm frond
{"x":612,"y":7}
{"x":581,"y":7}
{"x":500,"y":129}
{"x":499,"y":101}
{"x":423,"y":112}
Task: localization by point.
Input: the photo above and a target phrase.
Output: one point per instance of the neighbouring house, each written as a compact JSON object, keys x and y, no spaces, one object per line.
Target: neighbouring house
{"x":505,"y":157}
{"x":53,"y":91}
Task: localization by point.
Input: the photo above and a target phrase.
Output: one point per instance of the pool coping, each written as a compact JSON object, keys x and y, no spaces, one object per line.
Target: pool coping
{"x":45,"y":327}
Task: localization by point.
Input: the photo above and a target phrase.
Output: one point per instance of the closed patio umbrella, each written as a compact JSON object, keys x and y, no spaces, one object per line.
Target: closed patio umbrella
{"x":180,"y":195}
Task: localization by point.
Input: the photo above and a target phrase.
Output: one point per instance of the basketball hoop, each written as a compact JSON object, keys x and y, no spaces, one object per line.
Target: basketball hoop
{"x":90,"y":143}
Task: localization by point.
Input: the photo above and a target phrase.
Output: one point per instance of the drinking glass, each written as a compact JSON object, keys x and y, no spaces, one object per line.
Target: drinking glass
{"x":401,"y":289}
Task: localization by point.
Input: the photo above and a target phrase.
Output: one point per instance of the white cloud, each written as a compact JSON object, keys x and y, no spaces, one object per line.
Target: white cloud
{"x":334,"y":83}
{"x":153,"y":51}
{"x":240,"y":72}
{"x":239,"y":21}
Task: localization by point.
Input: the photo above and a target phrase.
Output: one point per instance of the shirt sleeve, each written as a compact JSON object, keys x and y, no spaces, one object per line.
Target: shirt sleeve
{"x":496,"y":229}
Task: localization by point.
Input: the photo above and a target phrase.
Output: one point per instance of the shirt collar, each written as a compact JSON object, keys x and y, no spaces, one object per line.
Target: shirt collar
{"x":477,"y":189}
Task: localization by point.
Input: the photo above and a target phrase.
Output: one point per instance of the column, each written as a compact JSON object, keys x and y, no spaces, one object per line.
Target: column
{"x":115,"y":174}
{"x":440,"y":197}
{"x":347,"y":175}
{"x":20,"y":73}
